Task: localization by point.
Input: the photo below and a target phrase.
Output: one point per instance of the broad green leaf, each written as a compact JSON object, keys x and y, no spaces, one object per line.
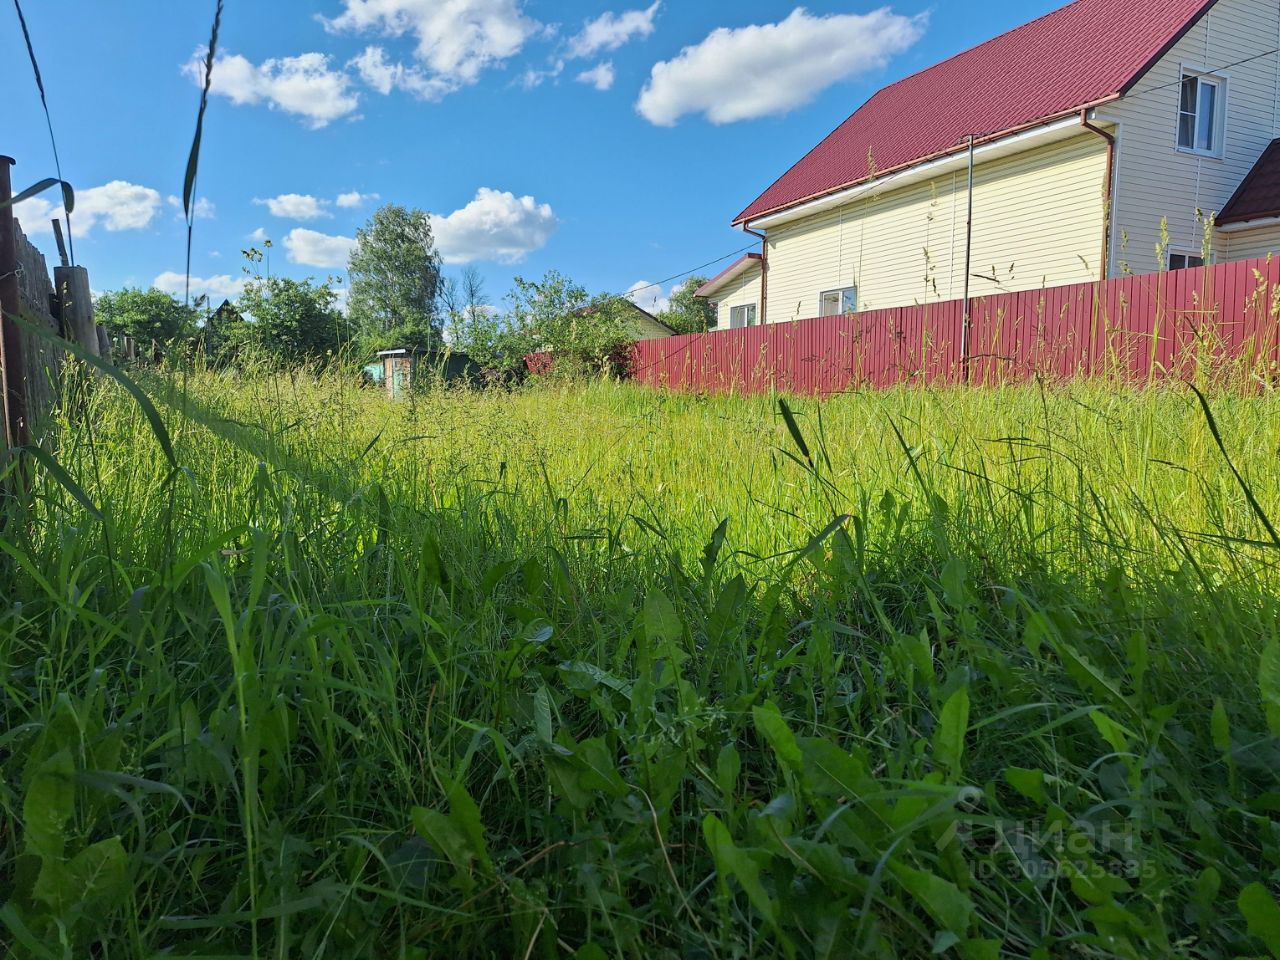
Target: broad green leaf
{"x":448,"y":839}
{"x":732,"y":861}
{"x":49,"y":804}
{"x":94,"y":881}
{"x":953,"y":727}
{"x":944,"y":901}
{"x":771,"y":725}
{"x":464,"y":812}
{"x":661,"y":621}
{"x":1263,"y":915}
{"x":728,"y":769}
{"x":831,"y":772}
{"x":1029,"y":783}
{"x":1116,"y":736}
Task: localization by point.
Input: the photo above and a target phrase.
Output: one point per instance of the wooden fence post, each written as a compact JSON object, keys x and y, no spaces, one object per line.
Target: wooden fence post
{"x":72,"y":284}
{"x":12,"y":365}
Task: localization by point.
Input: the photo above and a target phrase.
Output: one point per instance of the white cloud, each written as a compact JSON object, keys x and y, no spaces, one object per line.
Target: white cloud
{"x":494,"y":226}
{"x":117,"y":206}
{"x":601,"y":76}
{"x":34,"y":215}
{"x":304,"y":85}
{"x":457,"y":40}
{"x":204,"y":207}
{"x":260,"y":235}
{"x":217,"y":289}
{"x":295,"y":206}
{"x":536,"y":78}
{"x":649,"y":296}
{"x":609,"y":31}
{"x":349,"y":201}
{"x":756,"y":71}
{"x":384,"y":76}
{"x":312,"y":249}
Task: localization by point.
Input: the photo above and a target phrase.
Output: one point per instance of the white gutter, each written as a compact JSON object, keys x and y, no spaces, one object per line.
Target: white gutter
{"x":1058,"y":130}
{"x":1249,"y":225}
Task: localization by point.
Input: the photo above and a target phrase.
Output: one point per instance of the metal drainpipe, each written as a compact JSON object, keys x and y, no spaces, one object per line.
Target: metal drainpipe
{"x":11,"y":366}
{"x":968,"y":269}
{"x":764,"y":273}
{"x":1108,"y":197}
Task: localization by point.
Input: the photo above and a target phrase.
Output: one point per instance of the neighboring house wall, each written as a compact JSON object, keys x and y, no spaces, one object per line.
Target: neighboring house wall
{"x":742,"y":291}
{"x":647,"y":328}
{"x":1039,"y":219}
{"x":1154,"y":179}
{"x":1248,"y":244}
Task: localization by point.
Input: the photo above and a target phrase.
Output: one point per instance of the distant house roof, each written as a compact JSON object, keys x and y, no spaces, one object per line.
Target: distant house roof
{"x":1258,"y":197}
{"x":732,"y":272}
{"x":1083,"y":55}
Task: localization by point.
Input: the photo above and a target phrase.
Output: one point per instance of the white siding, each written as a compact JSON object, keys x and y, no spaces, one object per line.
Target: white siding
{"x":1154,"y":179}
{"x":742,"y":291}
{"x":1249,"y":244}
{"x":1039,"y":219}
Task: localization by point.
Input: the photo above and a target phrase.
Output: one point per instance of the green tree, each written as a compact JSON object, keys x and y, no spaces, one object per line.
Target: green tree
{"x":689,"y":313}
{"x":145,"y":315}
{"x":395,"y":280}
{"x":290,"y":320}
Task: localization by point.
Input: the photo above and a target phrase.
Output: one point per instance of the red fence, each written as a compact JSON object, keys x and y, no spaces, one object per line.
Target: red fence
{"x":1138,"y":329}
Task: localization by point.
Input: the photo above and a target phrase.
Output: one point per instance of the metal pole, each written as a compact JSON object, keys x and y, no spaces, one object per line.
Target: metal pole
{"x":11,"y":365}
{"x":968,"y":269}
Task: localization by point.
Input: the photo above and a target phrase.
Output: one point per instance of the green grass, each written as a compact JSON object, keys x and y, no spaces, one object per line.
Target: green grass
{"x":609,"y":673}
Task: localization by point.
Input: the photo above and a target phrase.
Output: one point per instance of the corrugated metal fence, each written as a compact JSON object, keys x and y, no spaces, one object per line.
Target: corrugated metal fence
{"x":1224,"y":319}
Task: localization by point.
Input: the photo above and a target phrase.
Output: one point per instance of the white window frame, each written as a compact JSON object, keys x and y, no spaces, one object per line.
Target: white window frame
{"x":1221,"y":83}
{"x":1197,"y":254}
{"x":845,"y":294}
{"x":750,"y":313}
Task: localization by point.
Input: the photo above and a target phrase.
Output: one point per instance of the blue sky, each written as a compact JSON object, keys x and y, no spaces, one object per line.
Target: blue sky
{"x":612,"y":141}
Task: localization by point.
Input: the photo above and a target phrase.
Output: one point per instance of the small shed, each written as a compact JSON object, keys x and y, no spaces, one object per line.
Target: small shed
{"x":396,"y":371}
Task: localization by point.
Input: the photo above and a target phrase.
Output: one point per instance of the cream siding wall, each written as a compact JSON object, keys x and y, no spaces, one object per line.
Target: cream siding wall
{"x":743,"y":291}
{"x":646,"y":328}
{"x":1038,"y":221}
{"x":1153,"y":178}
{"x":1248,"y":244}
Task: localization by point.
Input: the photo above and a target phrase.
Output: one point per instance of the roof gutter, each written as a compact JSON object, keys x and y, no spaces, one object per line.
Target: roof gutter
{"x":1108,"y":191}
{"x":983,"y":141}
{"x":1238,"y":225}
{"x":764,"y":273}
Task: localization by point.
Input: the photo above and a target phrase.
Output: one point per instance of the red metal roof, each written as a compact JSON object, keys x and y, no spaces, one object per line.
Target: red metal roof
{"x":1258,"y":197}
{"x":1084,"y":54}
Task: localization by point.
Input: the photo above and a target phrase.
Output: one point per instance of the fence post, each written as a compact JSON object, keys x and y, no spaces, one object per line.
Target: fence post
{"x":72,"y":284}
{"x":12,"y":368}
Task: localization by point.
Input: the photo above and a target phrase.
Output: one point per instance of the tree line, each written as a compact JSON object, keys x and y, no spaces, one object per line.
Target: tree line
{"x":398,"y":297}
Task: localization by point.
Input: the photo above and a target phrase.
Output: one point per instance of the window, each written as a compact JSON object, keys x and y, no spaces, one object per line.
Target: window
{"x":836,"y":303}
{"x":1201,"y":112}
{"x":742,"y":316}
{"x":714,"y":305}
{"x":1185,"y":261}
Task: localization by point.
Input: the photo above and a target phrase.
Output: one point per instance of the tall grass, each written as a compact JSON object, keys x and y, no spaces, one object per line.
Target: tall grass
{"x":600,"y":672}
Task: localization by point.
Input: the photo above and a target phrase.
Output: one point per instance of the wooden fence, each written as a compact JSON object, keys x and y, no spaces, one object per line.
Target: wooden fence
{"x":1216,"y":319}
{"x":30,"y":365}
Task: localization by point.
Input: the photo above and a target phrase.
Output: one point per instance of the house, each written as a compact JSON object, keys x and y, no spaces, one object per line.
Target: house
{"x":1105,"y":138}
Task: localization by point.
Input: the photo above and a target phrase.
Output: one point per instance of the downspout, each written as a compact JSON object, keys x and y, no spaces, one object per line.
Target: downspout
{"x":764,"y":273}
{"x":1108,"y":192}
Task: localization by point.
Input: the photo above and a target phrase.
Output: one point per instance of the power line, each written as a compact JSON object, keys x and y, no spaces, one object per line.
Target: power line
{"x":688,"y":273}
{"x":44,"y":102}
{"x":1225,"y":66}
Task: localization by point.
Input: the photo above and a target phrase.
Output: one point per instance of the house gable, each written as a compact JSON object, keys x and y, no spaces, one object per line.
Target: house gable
{"x":1158,"y":183}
